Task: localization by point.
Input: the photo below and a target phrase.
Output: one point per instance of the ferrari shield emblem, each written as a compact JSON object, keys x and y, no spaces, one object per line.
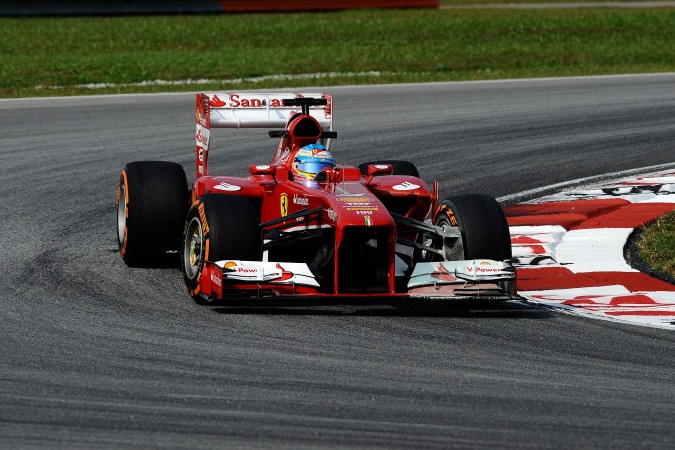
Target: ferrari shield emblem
{"x":284,"y":205}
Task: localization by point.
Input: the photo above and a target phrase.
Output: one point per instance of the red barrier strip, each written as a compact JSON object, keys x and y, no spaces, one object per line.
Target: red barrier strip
{"x":313,"y":5}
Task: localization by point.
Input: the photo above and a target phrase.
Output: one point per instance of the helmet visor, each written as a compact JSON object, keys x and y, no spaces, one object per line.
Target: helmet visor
{"x":313,"y":167}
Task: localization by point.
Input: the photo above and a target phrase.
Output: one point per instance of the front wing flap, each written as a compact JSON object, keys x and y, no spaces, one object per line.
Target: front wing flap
{"x":256,"y":279}
{"x":480,"y":278}
{"x":266,"y":272}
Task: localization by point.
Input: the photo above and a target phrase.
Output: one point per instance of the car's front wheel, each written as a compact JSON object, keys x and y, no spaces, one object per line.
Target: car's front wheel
{"x":218,"y":227}
{"x":481,"y":222}
{"x":152,"y":200}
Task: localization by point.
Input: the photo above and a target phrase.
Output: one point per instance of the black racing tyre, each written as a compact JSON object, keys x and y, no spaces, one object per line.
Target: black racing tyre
{"x":482,"y":223}
{"x":400,"y":167}
{"x":218,"y":226}
{"x":152,"y":201}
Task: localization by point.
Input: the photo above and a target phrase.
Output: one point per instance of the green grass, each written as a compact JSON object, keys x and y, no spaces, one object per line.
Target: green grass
{"x":475,"y":2}
{"x":58,"y":54}
{"x":657,"y":244}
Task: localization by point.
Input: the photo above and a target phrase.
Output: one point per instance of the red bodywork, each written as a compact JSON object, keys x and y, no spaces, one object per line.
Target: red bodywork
{"x":347,"y":206}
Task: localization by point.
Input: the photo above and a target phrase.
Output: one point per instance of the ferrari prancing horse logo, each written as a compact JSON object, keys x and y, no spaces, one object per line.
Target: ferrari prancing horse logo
{"x":284,"y":205}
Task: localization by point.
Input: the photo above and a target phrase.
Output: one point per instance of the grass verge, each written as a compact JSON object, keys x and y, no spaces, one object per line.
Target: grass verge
{"x":657,"y":244}
{"x":59,"y":56}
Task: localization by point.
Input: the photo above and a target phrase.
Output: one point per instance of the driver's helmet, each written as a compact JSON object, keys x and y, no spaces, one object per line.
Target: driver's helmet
{"x":310,"y":160}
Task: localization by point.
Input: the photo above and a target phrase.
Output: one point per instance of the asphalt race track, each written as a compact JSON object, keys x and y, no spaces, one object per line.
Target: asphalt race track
{"x":97,"y":355}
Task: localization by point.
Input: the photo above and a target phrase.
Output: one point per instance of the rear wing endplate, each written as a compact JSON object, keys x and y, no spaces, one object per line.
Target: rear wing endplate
{"x":223,"y":110}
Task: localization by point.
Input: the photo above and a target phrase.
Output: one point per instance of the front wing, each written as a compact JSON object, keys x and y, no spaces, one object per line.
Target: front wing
{"x":448,"y":280}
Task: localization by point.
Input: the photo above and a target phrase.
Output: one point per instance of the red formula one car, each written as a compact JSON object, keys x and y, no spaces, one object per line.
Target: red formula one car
{"x":303,"y":226}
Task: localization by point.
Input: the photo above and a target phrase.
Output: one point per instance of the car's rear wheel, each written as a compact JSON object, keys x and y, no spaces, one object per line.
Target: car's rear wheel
{"x":218,"y":227}
{"x":400,"y":167}
{"x":152,"y":200}
{"x":481,"y":222}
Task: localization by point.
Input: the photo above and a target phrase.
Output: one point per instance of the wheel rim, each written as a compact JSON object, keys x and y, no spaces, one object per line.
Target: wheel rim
{"x":193,"y":249}
{"x":445,"y":225}
{"x":122,"y":214}
{"x":440,"y":242}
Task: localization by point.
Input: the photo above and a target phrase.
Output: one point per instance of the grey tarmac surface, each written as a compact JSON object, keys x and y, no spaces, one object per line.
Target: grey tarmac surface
{"x":98,"y":355}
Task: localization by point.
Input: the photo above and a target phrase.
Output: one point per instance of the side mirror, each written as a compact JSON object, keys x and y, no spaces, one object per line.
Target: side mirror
{"x":263,"y":169}
{"x":380,"y":169}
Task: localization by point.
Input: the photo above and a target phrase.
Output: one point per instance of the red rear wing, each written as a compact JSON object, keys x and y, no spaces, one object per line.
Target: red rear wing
{"x":222,"y":110}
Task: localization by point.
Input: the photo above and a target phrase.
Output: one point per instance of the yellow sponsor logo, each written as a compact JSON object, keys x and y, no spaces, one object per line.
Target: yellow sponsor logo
{"x":284,"y":205}
{"x":354,"y":199}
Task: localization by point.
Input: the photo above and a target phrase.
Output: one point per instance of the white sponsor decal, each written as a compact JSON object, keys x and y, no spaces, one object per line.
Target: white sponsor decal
{"x":284,"y":156}
{"x":332,"y":215}
{"x":227,"y":187}
{"x":253,"y":102}
{"x":300,"y":200}
{"x":250,"y":270}
{"x":263,"y":167}
{"x":381,"y":166}
{"x":216,"y":279}
{"x":203,"y":137}
{"x":406,"y":186}
{"x":479,"y":270}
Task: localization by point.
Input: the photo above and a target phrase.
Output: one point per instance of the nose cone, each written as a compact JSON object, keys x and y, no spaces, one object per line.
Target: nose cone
{"x":359,"y":210}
